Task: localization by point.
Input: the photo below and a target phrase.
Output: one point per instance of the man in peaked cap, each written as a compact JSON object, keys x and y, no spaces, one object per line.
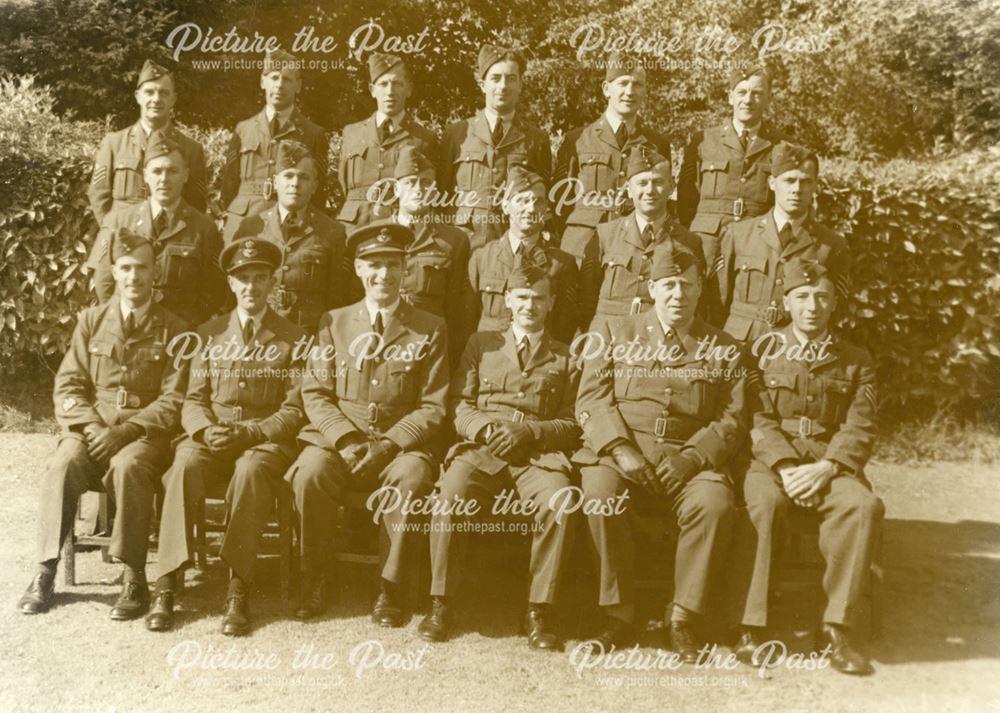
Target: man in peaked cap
{"x":371,"y":148}
{"x":725,"y":170}
{"x":478,"y":152}
{"x":660,"y":424}
{"x":248,"y":176}
{"x":118,"y":179}
{"x":435,"y":276}
{"x":117,"y":396}
{"x":315,"y":274}
{"x":811,"y":440}
{"x":513,"y":406}
{"x":747,"y":290}
{"x":375,"y":394}
{"x":240,"y":417}
{"x":591,"y":164}
{"x":618,"y":255}
{"x":492,"y":264}
{"x":186,"y":244}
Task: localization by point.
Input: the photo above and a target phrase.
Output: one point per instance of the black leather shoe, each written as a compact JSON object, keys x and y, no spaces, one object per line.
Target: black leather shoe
{"x":436,"y":626}
{"x":844,"y":655}
{"x":161,"y":612}
{"x":538,"y":628}
{"x":313,"y":600}
{"x":616,"y":633}
{"x":683,"y":641}
{"x":37,"y":598}
{"x":236,"y":620}
{"x":751,"y":637}
{"x":387,"y":611}
{"x":132,"y":602}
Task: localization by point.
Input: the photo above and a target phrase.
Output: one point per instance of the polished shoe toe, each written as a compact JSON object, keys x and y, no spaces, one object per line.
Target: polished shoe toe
{"x":845,"y":656}
{"x":387,"y":612}
{"x":539,"y":631}
{"x":616,"y":633}
{"x":132,"y":602}
{"x":161,"y":612}
{"x":751,"y":637}
{"x":436,"y":626}
{"x":236,"y":620}
{"x":684,"y":641}
{"x":38,"y":597}
{"x":314,"y":598}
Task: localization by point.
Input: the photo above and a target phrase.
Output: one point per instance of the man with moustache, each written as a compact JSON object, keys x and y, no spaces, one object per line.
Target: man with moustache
{"x":186,"y":244}
{"x":725,"y":171}
{"x":492,"y":264}
{"x":513,"y":406}
{"x":661,"y":419}
{"x":371,"y":148}
{"x":117,"y":398}
{"x":118,"y":178}
{"x":592,"y":159}
{"x":314,"y":274}
{"x":618,"y":255}
{"x":749,"y":273}
{"x":811,"y":440}
{"x":248,"y":175}
{"x":436,"y":277}
{"x":477,"y":153}
{"x":375,"y":393}
{"x":240,"y":414}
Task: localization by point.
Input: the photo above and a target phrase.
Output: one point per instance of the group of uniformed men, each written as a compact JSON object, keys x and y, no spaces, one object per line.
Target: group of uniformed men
{"x":442,"y":345}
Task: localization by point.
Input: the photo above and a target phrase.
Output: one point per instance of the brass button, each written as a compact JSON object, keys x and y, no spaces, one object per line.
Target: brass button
{"x":243,"y":384}
{"x":286,"y":268}
{"x":668,"y":391}
{"x":810,"y":397}
{"x":520,"y":394}
{"x":374,"y":382}
{"x":124,"y":368}
{"x":524,"y":373}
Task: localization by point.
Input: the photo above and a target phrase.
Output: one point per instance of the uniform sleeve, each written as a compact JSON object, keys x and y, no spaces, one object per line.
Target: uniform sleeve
{"x":596,"y":408}
{"x":100,"y":260}
{"x":851,"y":446}
{"x":290,"y":416}
{"x":687,"y":183}
{"x":319,"y":389}
{"x":543,"y":157}
{"x":342,"y":164}
{"x":469,"y":420}
{"x":566,"y":310}
{"x":320,"y":151}
{"x":561,"y":433}
{"x":717,"y":442}
{"x":215,"y":288}
{"x":718,"y":296}
{"x":567,"y":167}
{"x":99,"y":193}
{"x":196,"y":188}
{"x":591,"y":277}
{"x":345,"y":288}
{"x":446,"y":161}
{"x":196,"y":411}
{"x":73,"y":392}
{"x":475,"y":303}
{"x":459,"y":296}
{"x":230,"y":180}
{"x":770,"y":444}
{"x":162,"y":416}
{"x":420,"y":425}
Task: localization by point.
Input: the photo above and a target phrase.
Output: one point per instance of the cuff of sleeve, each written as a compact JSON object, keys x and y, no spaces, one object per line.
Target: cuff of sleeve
{"x":334,"y":432}
{"x":404,"y":434}
{"x":476,"y":424}
{"x":602,"y":429}
{"x":712,"y":447}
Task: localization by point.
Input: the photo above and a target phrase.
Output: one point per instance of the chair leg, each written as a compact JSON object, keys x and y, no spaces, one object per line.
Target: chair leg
{"x":876,"y":591}
{"x":200,"y":540}
{"x":285,"y":544}
{"x":69,"y":559}
{"x":104,"y":521}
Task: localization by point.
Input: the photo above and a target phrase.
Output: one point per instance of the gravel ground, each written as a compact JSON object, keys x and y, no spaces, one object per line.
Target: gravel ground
{"x":940,"y":650}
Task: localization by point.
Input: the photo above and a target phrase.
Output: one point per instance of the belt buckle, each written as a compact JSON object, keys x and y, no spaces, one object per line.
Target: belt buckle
{"x":738,"y":208}
{"x":268,"y":189}
{"x":517,"y":416}
{"x":121,"y":398}
{"x":805,"y":426}
{"x":636,"y":307}
{"x":373,"y":413}
{"x":237,"y":413}
{"x":660,"y":430}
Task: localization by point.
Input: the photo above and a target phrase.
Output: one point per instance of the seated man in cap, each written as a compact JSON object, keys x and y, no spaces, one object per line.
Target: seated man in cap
{"x":370,"y":149}
{"x":811,"y":440}
{"x":117,"y":398}
{"x":590,"y":167}
{"x":186,"y":277}
{"x":477,"y":153}
{"x":241,"y":414}
{"x":491,"y":264}
{"x":436,"y":275}
{"x":513,"y":405}
{"x":118,"y":168}
{"x":661,"y":420}
{"x":749,"y":271}
{"x":725,"y":171}
{"x":375,"y":393}
{"x":617,"y":257}
{"x":314,"y":274}
{"x":248,"y":175}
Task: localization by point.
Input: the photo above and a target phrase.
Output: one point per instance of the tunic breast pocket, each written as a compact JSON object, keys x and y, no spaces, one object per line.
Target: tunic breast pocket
{"x":713,"y":178}
{"x":431,"y":274}
{"x":127,"y":180}
{"x":250,"y":153}
{"x":315,"y":269}
{"x":356,"y":164}
{"x":837,"y":395}
{"x":104,"y":366}
{"x":622,"y":276}
{"x":347,"y":379}
{"x":782,"y":388}
{"x":492,"y":291}
{"x":597,"y":171}
{"x":402,"y":383}
{"x":547,"y":390}
{"x":703,"y":396}
{"x":149,"y":361}
{"x":751,"y":278}
{"x":181,"y":266}
{"x":472,"y":173}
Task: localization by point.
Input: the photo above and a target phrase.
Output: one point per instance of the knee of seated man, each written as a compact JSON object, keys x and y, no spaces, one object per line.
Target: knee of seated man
{"x":410,"y":473}
{"x":456,"y":481}
{"x":708,"y":500}
{"x":313,"y":466}
{"x":602,"y":483}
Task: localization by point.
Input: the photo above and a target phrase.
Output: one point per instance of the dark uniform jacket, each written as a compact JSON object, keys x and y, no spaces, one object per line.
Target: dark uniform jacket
{"x":118,"y":170}
{"x":187,"y":279}
{"x":401,"y":394}
{"x":263,"y":389}
{"x":490,"y":386}
{"x":748,"y":289}
{"x":471,"y":164}
{"x":825,"y":408}
{"x":315,"y":275}
{"x":107,"y":379}
{"x":661,"y":405}
{"x":248,"y":176}
{"x":491,"y":266}
{"x":365,"y":161}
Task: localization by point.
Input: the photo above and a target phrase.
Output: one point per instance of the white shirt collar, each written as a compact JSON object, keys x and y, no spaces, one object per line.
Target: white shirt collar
{"x":397,"y":119}
{"x":257,"y":318}
{"x":803,"y":339}
{"x":283,"y":212}
{"x":642,"y":222}
{"x":147,"y":129}
{"x":155,"y":208}
{"x":515,"y":242}
{"x":387,"y":312}
{"x":533,"y":337}
{"x":738,"y":127}
{"x":615,"y":121}
{"x":491,"y":118}
{"x":781,"y":218}
{"x":283,"y":115}
{"x":140,"y":312}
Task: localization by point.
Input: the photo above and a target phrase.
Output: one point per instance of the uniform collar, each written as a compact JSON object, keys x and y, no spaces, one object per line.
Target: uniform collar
{"x":533,"y":337}
{"x":283,"y":213}
{"x":515,"y":242}
{"x":140,"y":312}
{"x":491,"y":118}
{"x":155,"y":209}
{"x":147,"y":129}
{"x":387,"y":312}
{"x":641,"y":223}
{"x":258,"y":319}
{"x":753,"y":130}
{"x":614,"y":121}
{"x":397,"y":119}
{"x":781,"y":218}
{"x":284,"y":116}
{"x":803,"y":339}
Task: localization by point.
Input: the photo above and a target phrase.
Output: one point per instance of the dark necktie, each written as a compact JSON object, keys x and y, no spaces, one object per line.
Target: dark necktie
{"x":160,"y":224}
{"x":647,"y":235}
{"x":621,"y":135}
{"x":130,"y":325}
{"x":288,"y":225}
{"x":384,"y":131}
{"x":379,"y":326}
{"x":498,"y":131}
{"x":523,"y":349}
{"x":248,"y":332}
{"x":272,"y":126}
{"x":785,"y":236}
{"x":744,"y":139}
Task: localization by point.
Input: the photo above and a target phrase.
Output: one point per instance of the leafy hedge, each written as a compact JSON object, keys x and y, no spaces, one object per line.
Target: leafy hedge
{"x":925,"y":237}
